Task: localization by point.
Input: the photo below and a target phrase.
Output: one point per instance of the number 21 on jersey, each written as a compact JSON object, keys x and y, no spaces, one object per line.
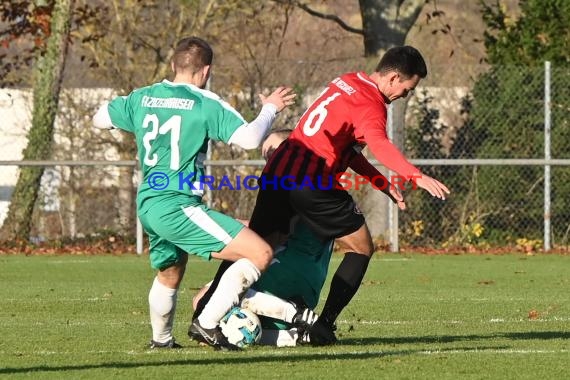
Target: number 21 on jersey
{"x":171,"y":125}
{"x":318,"y":114}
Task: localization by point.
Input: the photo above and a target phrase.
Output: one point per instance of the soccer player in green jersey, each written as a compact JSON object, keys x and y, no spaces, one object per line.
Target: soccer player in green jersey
{"x":172,"y":122}
{"x":286,"y":293}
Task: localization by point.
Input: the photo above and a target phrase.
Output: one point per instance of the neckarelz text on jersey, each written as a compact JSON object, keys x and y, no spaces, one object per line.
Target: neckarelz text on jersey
{"x":342,"y":181}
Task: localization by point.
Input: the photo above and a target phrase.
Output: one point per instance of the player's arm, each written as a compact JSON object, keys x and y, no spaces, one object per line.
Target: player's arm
{"x":250,"y":135}
{"x":102,"y":118}
{"x":391,"y":157}
{"x":114,"y":114}
{"x":362,"y":166}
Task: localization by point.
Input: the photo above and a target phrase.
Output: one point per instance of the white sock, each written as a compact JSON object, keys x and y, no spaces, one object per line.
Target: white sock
{"x":237,"y":279}
{"x":279,"y":338}
{"x":268,"y":305}
{"x":162,"y":302}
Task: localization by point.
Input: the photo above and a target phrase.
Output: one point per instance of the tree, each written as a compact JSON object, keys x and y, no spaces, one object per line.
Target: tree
{"x":252,"y":40}
{"x":509,"y":98}
{"x":385,"y":23}
{"x":48,"y":77}
{"x":538,"y":35}
{"x":115,"y":48}
{"x":125,"y":54}
{"x":25,"y":28}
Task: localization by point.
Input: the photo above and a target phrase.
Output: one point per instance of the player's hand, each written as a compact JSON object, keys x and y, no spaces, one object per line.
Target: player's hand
{"x":282,"y":97}
{"x":431,"y":185}
{"x":396,"y":196}
{"x":269,"y":145}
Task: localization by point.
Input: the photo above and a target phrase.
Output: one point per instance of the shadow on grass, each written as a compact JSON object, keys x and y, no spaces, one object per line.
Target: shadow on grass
{"x":531,"y":335}
{"x":236,"y":358}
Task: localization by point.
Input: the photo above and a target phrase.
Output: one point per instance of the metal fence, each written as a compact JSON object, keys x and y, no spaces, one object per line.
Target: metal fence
{"x":501,"y":143}
{"x":534,"y":219}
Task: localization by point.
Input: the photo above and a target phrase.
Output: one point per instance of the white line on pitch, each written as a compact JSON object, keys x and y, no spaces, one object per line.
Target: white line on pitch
{"x":286,"y":352}
{"x":491,"y":351}
{"x":452,"y":321}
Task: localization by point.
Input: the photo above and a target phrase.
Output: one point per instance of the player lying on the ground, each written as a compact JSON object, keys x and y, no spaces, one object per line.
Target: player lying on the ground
{"x":296,"y":276}
{"x":297,"y":273}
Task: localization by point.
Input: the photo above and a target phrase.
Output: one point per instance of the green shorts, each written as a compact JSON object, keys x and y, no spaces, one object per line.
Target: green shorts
{"x":181,"y":225}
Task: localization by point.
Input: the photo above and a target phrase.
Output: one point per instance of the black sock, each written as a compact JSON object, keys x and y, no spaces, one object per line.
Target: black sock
{"x":224,"y":265}
{"x":344,"y":285}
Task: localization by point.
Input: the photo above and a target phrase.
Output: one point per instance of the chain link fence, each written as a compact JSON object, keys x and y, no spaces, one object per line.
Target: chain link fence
{"x":498,"y":137}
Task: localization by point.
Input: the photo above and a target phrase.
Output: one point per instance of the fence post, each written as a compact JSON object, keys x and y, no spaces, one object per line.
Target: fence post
{"x":139,"y":237}
{"x":393,"y":224}
{"x":547,"y":155}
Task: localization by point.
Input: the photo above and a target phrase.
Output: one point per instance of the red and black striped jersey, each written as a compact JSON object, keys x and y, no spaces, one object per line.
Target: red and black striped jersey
{"x":348,"y":115}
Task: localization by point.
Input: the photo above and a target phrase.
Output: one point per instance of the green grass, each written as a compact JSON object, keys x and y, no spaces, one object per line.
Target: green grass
{"x":415,"y":317}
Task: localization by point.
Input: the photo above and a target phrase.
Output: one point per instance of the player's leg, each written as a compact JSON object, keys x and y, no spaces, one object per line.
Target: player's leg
{"x":298,"y":315}
{"x":162,"y":298}
{"x":207,"y":294}
{"x":198,"y":296}
{"x":251,"y":255}
{"x":279,"y":338}
{"x":270,"y":219}
{"x":192,"y":227}
{"x":349,"y":274}
{"x":285,"y":279}
{"x":292,"y":315}
{"x":271,"y":311}
{"x":260,"y":303}
{"x":162,"y":301}
{"x":334,"y":214}
{"x":346,"y":280}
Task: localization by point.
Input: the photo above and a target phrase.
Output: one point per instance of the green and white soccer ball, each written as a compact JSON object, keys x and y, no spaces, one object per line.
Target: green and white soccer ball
{"x":241,"y":326}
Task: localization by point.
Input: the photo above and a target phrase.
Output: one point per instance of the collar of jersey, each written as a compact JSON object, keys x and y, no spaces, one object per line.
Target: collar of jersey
{"x":366,"y":79}
{"x":181,"y":84}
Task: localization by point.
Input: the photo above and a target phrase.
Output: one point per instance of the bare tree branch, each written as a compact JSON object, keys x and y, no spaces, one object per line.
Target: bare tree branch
{"x":330,"y":17}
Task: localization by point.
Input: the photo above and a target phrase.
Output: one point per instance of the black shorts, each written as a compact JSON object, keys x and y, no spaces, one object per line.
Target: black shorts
{"x":329,"y":213}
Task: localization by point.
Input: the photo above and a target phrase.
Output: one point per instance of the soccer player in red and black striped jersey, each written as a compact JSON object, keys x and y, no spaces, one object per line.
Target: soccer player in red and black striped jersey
{"x":302,"y":176}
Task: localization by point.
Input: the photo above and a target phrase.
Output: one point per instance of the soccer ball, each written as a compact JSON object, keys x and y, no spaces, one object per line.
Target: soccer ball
{"x":241,"y":326}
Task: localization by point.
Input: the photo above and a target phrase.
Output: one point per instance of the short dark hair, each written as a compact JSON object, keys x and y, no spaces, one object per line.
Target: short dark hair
{"x":406,"y":60}
{"x":192,"y":54}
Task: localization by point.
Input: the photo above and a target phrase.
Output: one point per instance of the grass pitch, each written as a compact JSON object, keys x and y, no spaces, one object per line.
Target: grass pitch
{"x":415,"y":317}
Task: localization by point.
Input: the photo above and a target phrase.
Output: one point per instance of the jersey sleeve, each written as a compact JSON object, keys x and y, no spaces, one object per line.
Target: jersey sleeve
{"x":370,"y":124}
{"x":120,"y":113}
{"x":362,"y":166}
{"x":223,"y":120}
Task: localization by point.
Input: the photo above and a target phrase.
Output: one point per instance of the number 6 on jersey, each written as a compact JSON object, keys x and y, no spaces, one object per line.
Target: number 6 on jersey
{"x":311,"y":125}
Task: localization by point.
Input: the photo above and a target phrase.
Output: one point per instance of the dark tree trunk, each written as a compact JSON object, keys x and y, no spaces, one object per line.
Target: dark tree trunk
{"x":48,"y":78}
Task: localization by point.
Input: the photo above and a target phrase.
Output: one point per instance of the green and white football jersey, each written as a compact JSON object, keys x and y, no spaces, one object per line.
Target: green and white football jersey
{"x":299,"y":268}
{"x":173,"y":123}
